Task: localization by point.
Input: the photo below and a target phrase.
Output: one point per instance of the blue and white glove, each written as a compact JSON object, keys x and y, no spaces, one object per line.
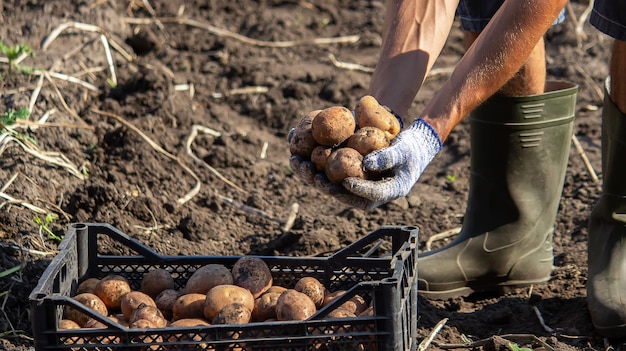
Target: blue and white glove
{"x":405,"y":160}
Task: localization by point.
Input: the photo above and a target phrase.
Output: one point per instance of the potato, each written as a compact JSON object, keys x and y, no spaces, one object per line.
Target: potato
{"x":343,"y":163}
{"x":367,"y":139}
{"x":368,"y":312}
{"x":308,"y":118}
{"x":302,"y":142}
{"x":294,"y":306}
{"x":188,"y":306}
{"x":132,"y":300}
{"x":93,"y":323}
{"x":340,"y":312}
{"x":369,"y":113}
{"x":312,"y":288}
{"x":356,"y":305}
{"x":87,"y":286}
{"x":265,"y":307}
{"x":111,"y":289}
{"x":253,"y":274}
{"x":155,"y":281}
{"x":276,"y":288}
{"x":190,"y":322}
{"x":165,"y":302}
{"x":206,"y":277}
{"x":223,"y":295}
{"x":319,"y":155}
{"x":333,"y":125}
{"x":89,"y":300}
{"x":68,"y":324}
{"x":331,"y":296}
{"x":142,"y":324}
{"x":234,"y":313}
{"x":149,"y":313}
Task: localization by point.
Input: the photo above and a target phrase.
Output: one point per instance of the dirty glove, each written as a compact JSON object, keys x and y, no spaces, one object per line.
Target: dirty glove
{"x":405,"y":159}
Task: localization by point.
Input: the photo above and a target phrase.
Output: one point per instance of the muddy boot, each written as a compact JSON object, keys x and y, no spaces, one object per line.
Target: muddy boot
{"x":606,"y":283}
{"x":519,"y":152}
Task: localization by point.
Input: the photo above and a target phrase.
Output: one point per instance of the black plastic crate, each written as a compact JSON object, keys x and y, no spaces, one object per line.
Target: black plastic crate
{"x":381,"y":267}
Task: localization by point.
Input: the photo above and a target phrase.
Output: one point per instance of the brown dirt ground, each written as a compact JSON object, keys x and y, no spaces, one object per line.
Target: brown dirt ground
{"x":135,"y":188}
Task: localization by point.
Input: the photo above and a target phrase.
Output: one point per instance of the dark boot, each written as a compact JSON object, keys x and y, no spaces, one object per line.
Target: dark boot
{"x":606,"y":284}
{"x":519,"y":152}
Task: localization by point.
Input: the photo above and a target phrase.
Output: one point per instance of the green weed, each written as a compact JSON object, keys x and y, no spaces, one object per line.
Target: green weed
{"x":13,"y":53}
{"x":43,"y":226}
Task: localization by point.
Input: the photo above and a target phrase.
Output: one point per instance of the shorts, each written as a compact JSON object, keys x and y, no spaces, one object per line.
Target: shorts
{"x":475,"y":14}
{"x":609,"y":17}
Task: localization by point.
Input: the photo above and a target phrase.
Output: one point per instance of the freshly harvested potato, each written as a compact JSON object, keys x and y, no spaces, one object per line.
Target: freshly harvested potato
{"x":233,"y":313}
{"x":319,"y":156}
{"x":87,"y":286}
{"x":331,"y":296}
{"x":223,"y":295}
{"x":367,"y":139}
{"x":368,"y":312}
{"x":142,"y":324}
{"x":356,"y":305}
{"x":301,"y":140}
{"x":68,"y":324}
{"x":312,"y":288}
{"x":132,"y":300}
{"x":293,"y":305}
{"x":333,"y":125}
{"x":190,"y":322}
{"x":308,"y":118}
{"x":265,"y":307}
{"x":340,"y":312}
{"x":149,"y":313}
{"x":165,"y":302}
{"x":155,"y":281}
{"x":111,"y":289}
{"x":253,"y":274}
{"x":369,"y":113}
{"x":207,"y":277}
{"x":188,"y":306}
{"x":89,"y":300}
{"x":343,"y":163}
{"x":276,"y":288}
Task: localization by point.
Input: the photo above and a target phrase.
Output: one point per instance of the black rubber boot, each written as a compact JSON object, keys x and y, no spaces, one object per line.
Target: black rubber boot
{"x":606,"y":283}
{"x":519,"y":152}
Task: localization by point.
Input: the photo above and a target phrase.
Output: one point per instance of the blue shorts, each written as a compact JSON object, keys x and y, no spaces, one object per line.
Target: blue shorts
{"x":475,"y":14}
{"x":609,"y":17}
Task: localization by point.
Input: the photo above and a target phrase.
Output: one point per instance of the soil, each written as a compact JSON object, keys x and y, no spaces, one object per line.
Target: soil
{"x":132,"y":139}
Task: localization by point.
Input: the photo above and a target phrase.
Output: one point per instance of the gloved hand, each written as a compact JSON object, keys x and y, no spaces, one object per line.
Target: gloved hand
{"x":406,"y":158}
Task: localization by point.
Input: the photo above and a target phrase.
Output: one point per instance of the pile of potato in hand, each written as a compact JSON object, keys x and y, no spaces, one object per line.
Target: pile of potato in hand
{"x":213,"y":294}
{"x":335,"y":140}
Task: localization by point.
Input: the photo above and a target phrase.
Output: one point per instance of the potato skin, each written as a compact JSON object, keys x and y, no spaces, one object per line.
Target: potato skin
{"x":222,"y":295}
{"x":87,"y":286}
{"x":319,"y":155}
{"x":265,"y":307}
{"x":302,"y":142}
{"x":369,"y":113}
{"x":313,"y":288}
{"x":165,"y":302}
{"x":188,"y":306}
{"x":89,"y":300}
{"x":68,"y":324}
{"x":367,"y":139}
{"x":233,"y":313}
{"x":252,"y":273}
{"x":149,"y":313}
{"x":293,"y":305}
{"x":111,"y":289}
{"x":132,"y":300}
{"x":333,"y":126}
{"x":343,"y":163}
{"x":207,"y":277}
{"x":155,"y":281}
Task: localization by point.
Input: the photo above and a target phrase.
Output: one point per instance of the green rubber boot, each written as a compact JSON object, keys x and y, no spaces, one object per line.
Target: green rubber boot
{"x":519,"y":152}
{"x":606,"y":283}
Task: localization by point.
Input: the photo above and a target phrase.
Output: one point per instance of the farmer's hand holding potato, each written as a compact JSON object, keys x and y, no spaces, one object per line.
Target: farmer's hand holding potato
{"x":386,"y":166}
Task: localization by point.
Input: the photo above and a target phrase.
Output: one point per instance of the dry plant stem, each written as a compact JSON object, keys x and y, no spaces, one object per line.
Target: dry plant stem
{"x":60,"y":125}
{"x":583,"y":155}
{"x":62,"y":99}
{"x":591,"y":82}
{"x":351,"y":39}
{"x":513,"y":337}
{"x":427,"y":341}
{"x":54,"y":158}
{"x":293,"y":214}
{"x":542,"y":321}
{"x":349,"y":66}
{"x":12,"y":201}
{"x":70,"y":79}
{"x":86,"y":28}
{"x":249,"y":209}
{"x":155,"y":146}
{"x":192,"y":136}
{"x":29,"y":251}
{"x":442,"y":235}
{"x":35,"y":94}
{"x":109,"y":58}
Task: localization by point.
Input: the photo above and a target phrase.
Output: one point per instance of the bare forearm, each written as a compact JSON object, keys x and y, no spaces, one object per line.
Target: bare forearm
{"x":414,"y":34}
{"x":497,"y":54}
